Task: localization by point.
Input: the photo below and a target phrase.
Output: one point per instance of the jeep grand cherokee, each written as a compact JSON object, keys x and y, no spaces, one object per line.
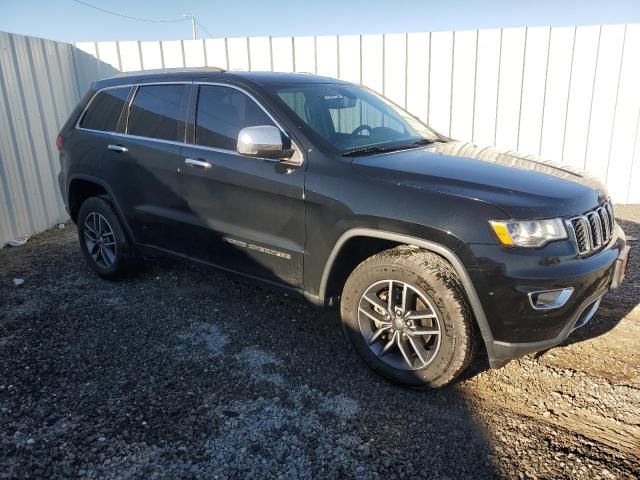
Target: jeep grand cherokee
{"x":430,"y":246}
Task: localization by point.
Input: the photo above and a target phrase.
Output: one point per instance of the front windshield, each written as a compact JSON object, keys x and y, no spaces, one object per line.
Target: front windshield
{"x":354,"y":119}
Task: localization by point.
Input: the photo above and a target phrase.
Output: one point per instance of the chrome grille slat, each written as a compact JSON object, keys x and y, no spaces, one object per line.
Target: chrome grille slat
{"x":604,"y":218}
{"x":612,"y":219}
{"x":595,"y":229}
{"x":592,"y":230}
{"x":581,"y":233}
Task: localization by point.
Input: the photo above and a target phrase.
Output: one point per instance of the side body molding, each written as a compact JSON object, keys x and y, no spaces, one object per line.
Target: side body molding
{"x":441,"y":250}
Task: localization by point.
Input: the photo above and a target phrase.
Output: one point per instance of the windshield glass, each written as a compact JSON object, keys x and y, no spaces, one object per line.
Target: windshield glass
{"x":354,"y":119}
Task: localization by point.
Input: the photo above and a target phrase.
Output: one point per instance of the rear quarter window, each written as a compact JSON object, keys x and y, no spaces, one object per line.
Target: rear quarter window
{"x":105,"y":109}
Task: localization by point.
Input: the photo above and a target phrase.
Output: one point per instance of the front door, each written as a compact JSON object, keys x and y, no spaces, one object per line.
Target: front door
{"x":243,"y":213}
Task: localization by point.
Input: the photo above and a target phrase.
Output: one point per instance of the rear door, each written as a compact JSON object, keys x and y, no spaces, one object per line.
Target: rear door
{"x":101,"y":120}
{"x":244,"y":213}
{"x":143,"y":165}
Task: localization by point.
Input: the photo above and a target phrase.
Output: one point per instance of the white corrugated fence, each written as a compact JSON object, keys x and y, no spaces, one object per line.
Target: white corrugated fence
{"x":40,"y":83}
{"x":564,"y":93}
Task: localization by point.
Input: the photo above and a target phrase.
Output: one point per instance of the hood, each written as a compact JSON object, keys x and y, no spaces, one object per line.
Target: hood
{"x":523,"y":186}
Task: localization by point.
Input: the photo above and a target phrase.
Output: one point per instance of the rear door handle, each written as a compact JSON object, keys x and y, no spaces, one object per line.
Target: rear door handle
{"x":118,"y":148}
{"x":192,"y":162}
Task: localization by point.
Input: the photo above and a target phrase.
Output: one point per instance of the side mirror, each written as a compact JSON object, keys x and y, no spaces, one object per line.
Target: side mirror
{"x":265,"y":141}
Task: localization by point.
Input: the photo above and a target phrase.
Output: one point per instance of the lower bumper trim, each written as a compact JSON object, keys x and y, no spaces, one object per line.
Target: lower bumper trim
{"x":502,"y":352}
{"x":620,"y":267}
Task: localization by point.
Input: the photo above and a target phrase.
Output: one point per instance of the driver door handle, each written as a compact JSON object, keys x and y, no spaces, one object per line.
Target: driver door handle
{"x":117,"y":148}
{"x":192,"y":162}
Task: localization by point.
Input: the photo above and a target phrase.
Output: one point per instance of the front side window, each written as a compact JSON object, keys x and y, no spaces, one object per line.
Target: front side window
{"x":157,"y":112}
{"x":351,"y":118}
{"x":222,"y":112}
{"x":105,"y":109}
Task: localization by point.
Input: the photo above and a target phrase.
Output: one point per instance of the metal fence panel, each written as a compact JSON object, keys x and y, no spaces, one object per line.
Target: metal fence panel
{"x":40,"y":83}
{"x":564,"y":93}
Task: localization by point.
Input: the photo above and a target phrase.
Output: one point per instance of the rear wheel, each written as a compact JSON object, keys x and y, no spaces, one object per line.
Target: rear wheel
{"x":405,"y":312}
{"x":102,"y":238}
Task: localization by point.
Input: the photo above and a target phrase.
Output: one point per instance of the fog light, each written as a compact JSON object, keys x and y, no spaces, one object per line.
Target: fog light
{"x":550,"y":299}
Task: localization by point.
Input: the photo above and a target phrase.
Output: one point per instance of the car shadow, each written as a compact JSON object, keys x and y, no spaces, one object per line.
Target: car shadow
{"x":413,"y":432}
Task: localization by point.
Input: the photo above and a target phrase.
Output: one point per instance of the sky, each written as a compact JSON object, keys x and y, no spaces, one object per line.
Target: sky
{"x":71,"y":21}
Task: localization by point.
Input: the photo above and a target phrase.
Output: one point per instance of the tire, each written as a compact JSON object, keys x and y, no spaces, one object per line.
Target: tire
{"x":95,"y":216}
{"x":433,"y":288}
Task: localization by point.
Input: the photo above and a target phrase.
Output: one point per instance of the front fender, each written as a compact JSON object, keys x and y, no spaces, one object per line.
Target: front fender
{"x":431,"y":246}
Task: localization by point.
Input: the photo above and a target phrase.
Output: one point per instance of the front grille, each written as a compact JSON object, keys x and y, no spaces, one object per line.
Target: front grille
{"x":594,"y":229}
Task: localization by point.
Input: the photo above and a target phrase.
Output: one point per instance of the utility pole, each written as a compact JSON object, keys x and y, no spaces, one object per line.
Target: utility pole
{"x":193,"y":26}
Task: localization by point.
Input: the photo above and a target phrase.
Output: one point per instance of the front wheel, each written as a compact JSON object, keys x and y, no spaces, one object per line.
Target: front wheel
{"x":406,"y":315}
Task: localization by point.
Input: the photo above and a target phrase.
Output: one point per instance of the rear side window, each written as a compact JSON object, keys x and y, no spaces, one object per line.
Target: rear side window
{"x":222,"y":112}
{"x":157,"y":112}
{"x":104,"y":110}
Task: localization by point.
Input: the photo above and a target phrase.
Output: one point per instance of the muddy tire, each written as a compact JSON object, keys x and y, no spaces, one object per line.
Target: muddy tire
{"x":407,"y":316}
{"x":103,"y":241}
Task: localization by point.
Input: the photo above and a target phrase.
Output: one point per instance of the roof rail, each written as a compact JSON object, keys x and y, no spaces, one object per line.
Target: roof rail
{"x":173,"y":70}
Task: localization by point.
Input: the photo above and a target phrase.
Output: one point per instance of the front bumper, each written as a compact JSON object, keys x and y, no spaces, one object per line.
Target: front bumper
{"x":504,"y":278}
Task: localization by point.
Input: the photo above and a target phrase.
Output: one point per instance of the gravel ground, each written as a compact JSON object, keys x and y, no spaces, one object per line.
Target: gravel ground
{"x":180,"y":372}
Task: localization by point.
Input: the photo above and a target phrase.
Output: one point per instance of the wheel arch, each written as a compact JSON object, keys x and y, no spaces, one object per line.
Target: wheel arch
{"x":80,"y":189}
{"x":395,"y":239}
{"x":96,"y":187}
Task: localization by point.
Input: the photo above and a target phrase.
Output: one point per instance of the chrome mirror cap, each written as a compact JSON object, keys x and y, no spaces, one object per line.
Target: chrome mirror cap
{"x":263,"y":141}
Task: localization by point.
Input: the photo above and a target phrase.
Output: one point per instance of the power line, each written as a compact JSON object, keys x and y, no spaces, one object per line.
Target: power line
{"x":184,"y":17}
{"x":202,"y":27}
{"x":134,"y":18}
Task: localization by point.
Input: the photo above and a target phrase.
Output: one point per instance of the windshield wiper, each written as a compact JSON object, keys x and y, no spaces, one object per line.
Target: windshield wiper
{"x":366,"y":151}
{"x":426,"y":141}
{"x":377,"y":149}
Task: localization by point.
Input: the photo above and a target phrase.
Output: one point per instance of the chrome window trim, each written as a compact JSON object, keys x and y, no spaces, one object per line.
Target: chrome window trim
{"x":137,"y":137}
{"x":127,"y":111}
{"x":193,"y":145}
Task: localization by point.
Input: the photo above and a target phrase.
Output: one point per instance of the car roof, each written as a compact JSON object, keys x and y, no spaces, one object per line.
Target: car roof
{"x":213,"y":74}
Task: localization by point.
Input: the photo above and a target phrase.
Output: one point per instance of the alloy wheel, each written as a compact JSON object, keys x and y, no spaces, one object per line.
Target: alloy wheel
{"x":100,"y":240}
{"x":399,"y":324}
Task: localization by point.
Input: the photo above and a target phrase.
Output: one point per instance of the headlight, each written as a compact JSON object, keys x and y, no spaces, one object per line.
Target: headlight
{"x":535,"y":233}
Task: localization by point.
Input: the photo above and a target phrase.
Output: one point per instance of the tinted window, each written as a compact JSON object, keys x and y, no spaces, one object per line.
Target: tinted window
{"x":222,"y":112}
{"x":104,"y":111}
{"x":156,"y":112}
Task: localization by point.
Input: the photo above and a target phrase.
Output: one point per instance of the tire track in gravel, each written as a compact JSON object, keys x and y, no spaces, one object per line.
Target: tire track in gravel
{"x":575,"y":407}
